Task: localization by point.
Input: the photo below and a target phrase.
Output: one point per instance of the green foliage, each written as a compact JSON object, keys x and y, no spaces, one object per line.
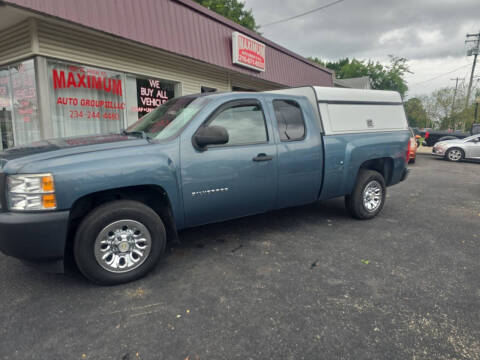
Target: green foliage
{"x":382,"y":77}
{"x":233,"y":10}
{"x":416,"y":114}
{"x":447,"y":114}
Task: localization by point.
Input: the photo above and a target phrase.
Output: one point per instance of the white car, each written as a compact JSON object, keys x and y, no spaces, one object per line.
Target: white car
{"x":458,"y":149}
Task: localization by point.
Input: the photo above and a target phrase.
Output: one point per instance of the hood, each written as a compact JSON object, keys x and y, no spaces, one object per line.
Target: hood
{"x":447,"y":142}
{"x":47,"y":149}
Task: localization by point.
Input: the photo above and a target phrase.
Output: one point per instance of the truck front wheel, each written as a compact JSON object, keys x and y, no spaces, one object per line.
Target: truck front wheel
{"x":118,"y":242}
{"x":368,"y":196}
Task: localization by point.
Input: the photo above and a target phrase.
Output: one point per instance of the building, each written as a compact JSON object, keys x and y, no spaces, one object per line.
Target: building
{"x":70,"y":67}
{"x":362,"y":82}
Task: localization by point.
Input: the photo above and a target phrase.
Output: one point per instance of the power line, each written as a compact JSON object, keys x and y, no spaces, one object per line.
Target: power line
{"x":302,"y":14}
{"x":439,"y":76}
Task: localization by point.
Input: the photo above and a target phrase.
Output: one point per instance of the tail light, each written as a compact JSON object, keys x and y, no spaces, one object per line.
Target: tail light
{"x":427,"y":134}
{"x":407,"y":157}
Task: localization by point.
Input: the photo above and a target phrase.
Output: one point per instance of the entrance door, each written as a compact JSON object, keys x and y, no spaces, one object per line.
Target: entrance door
{"x":6,"y":128}
{"x":235,"y":179}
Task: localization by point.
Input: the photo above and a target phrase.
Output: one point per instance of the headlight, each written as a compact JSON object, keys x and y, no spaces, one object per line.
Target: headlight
{"x":31,"y":192}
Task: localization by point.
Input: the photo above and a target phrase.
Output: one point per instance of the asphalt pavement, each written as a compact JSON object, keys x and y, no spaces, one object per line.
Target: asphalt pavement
{"x":301,"y":283}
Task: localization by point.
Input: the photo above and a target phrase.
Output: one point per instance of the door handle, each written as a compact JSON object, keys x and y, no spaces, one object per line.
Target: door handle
{"x":262,"y":157}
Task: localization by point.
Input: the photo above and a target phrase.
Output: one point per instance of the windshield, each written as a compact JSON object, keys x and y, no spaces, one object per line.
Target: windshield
{"x":168,"y":119}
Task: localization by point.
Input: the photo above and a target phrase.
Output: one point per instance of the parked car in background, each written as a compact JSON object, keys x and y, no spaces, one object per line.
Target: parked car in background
{"x":412,"y":150}
{"x":458,"y":149}
{"x":432,"y":137}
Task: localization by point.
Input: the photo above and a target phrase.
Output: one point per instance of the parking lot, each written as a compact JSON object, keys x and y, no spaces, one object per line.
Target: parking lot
{"x":300,"y":283}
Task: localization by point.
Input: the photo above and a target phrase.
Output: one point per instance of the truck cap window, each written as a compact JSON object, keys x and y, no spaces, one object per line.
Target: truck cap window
{"x":168,"y":119}
{"x":245,"y":124}
{"x":291,"y":125}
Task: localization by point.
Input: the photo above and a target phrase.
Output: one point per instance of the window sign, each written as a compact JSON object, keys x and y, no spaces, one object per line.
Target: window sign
{"x":151,"y":94}
{"x":145,"y":95}
{"x":85,"y":100}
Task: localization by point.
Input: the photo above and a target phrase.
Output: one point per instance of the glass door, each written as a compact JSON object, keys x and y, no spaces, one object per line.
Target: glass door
{"x":6,"y":128}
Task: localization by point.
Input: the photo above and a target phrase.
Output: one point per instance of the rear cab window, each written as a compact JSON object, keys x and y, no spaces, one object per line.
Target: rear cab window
{"x":290,"y":121}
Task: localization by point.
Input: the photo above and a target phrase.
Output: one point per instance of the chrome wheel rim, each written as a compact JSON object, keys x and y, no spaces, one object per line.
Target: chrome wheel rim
{"x":455,"y":155}
{"x":372,"y":196}
{"x":122,"y":246}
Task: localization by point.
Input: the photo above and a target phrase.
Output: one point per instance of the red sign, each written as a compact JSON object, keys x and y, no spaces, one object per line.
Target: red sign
{"x":248,"y":52}
{"x":62,"y":80}
{"x":104,"y":101}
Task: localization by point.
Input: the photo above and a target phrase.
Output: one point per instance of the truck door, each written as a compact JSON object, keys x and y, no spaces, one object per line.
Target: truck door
{"x":300,"y":152}
{"x":235,"y":179}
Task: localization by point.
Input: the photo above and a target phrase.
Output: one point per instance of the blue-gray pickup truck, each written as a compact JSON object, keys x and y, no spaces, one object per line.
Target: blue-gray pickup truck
{"x":114,"y":201}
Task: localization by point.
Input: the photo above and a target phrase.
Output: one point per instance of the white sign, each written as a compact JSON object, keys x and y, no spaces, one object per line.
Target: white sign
{"x":248,"y":52}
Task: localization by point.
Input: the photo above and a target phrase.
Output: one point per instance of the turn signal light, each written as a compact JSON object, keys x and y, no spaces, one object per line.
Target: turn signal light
{"x":49,"y":201}
{"x":407,"y":156}
{"x":48,"y":184}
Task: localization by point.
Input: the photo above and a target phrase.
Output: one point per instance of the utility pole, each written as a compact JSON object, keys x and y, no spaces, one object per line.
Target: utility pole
{"x":454,"y":97}
{"x":473,"y":50}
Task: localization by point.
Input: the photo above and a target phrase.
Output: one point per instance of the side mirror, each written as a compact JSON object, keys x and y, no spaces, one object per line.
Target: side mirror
{"x":210,"y":135}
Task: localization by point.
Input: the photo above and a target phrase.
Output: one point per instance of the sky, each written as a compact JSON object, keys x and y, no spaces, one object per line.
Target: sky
{"x":429,"y":33}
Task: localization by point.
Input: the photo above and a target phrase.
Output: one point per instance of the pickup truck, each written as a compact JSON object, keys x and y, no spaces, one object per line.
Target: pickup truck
{"x":114,"y":201}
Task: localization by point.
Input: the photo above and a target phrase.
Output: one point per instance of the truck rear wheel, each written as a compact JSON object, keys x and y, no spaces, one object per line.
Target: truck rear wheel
{"x":118,"y":242}
{"x":368,"y":196}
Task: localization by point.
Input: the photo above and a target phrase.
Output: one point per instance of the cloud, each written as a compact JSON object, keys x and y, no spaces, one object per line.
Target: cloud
{"x":423,"y":31}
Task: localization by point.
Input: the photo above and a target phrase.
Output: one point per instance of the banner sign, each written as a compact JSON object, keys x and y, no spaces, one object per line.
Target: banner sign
{"x":248,"y":52}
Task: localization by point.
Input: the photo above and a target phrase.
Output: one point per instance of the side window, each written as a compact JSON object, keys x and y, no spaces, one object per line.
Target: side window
{"x":291,"y":125}
{"x":245,"y":124}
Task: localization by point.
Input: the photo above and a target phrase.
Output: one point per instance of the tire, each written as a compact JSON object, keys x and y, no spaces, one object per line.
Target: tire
{"x":108,"y":259}
{"x":411,"y":161}
{"x":454,"y":154}
{"x":355,"y":204}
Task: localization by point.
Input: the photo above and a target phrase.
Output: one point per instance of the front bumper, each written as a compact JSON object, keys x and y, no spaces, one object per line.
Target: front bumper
{"x":438,"y":151}
{"x":34,"y":237}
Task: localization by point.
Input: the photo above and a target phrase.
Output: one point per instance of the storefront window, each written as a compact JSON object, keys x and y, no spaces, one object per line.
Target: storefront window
{"x":19,"y":123}
{"x":85,"y":100}
{"x":145,"y":95}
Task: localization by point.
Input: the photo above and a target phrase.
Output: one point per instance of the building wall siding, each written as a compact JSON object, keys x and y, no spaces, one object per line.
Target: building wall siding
{"x":101,"y":50}
{"x":16,"y":42}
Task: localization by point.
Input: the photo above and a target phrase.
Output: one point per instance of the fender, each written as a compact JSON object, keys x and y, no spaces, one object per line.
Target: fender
{"x":82,"y":174}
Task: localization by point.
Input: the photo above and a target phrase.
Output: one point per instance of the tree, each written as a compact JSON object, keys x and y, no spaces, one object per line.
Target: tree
{"x":416,"y":114}
{"x":382,"y":77}
{"x":233,"y":10}
{"x":443,"y":113}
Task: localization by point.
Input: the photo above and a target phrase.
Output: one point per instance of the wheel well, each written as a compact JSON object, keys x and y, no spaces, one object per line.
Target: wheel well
{"x":455,"y":147}
{"x":150,"y":195}
{"x":383,"y":165}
